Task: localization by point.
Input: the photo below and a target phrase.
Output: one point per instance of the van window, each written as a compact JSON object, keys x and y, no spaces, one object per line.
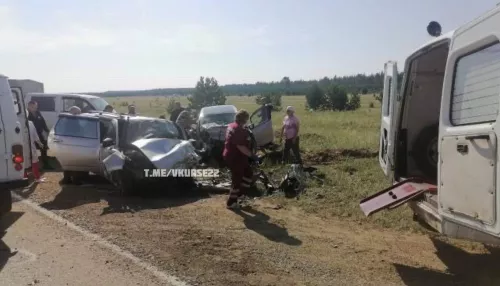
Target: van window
{"x":45,"y":103}
{"x":69,"y":102}
{"x":476,"y":87}
{"x":76,"y":127}
{"x":17,"y":101}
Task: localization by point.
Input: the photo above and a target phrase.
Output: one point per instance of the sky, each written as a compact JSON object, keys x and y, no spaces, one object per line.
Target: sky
{"x":79,"y":46}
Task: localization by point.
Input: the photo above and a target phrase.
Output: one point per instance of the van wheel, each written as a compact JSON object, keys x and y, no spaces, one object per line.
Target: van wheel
{"x":425,"y":151}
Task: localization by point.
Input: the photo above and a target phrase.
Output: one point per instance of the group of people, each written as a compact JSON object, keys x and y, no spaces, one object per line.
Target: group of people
{"x":238,"y":156}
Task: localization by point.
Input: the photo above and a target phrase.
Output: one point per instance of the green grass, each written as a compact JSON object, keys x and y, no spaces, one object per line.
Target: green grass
{"x":348,"y":179}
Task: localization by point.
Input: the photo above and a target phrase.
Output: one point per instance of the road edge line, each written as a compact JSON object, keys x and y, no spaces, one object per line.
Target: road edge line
{"x":171,"y":279}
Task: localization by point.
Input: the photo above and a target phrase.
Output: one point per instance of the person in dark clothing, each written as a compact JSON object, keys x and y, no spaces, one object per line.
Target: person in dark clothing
{"x":237,"y":155}
{"x":175,"y":113}
{"x":41,"y":126}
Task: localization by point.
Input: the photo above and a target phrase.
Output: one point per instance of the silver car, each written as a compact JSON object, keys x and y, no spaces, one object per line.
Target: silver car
{"x":76,"y":142}
{"x":81,"y":142}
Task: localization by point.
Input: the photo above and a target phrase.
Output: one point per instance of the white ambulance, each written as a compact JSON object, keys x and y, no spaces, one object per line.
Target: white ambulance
{"x":439,"y":132}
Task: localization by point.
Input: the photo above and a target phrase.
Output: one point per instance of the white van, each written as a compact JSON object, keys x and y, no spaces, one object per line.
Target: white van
{"x":52,"y":104}
{"x":11,"y":147}
{"x":439,"y":133}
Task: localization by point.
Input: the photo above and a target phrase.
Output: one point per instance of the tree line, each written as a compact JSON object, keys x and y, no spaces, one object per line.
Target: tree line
{"x":360,"y":83}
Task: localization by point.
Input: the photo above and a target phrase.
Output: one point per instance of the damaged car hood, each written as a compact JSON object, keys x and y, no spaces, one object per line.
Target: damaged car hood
{"x":163,"y":154}
{"x":168,"y":153}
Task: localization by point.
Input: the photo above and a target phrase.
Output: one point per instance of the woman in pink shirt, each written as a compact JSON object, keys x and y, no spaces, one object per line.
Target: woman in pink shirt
{"x":290,"y":129}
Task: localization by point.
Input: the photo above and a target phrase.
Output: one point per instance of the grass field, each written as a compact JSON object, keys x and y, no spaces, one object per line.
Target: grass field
{"x":342,"y":144}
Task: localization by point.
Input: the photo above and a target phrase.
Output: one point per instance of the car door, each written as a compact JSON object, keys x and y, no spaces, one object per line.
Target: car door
{"x":74,"y":141}
{"x":20,"y":109}
{"x":108,"y":128}
{"x":388,"y":118}
{"x":468,"y":171}
{"x":262,"y":125}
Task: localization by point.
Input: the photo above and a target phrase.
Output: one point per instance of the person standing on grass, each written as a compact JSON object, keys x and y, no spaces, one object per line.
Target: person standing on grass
{"x":41,"y":126}
{"x":176,"y":112}
{"x":131,"y":110}
{"x":35,"y":140}
{"x":237,"y":157}
{"x":290,"y":129}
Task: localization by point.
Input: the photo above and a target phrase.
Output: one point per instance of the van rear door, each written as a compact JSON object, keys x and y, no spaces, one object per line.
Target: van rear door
{"x":469,"y":128}
{"x":22,"y":117}
{"x":388,"y":118}
{"x":3,"y":150}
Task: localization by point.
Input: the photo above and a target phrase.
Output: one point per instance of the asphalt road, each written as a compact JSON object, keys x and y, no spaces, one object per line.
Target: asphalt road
{"x":36,"y":250}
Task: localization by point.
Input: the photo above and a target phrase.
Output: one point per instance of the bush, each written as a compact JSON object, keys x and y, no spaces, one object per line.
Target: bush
{"x":372,"y":105}
{"x":270,"y":98}
{"x":379,"y":96}
{"x":354,"y":102}
{"x":337,"y":97}
{"x":170,"y":105}
{"x":315,"y":98}
{"x":207,"y":93}
{"x":364,"y":91}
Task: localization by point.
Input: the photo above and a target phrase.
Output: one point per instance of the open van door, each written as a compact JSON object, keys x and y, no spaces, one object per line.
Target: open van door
{"x":469,"y":131}
{"x":19,"y":89}
{"x":22,"y":117}
{"x":387,"y":128}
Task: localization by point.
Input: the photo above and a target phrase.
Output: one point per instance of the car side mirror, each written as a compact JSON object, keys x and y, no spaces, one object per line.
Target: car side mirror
{"x":108,"y":142}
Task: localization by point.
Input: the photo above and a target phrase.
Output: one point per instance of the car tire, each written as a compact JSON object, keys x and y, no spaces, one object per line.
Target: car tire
{"x":425,"y":151}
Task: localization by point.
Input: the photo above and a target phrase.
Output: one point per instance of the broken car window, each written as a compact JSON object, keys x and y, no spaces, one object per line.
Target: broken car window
{"x":138,"y":129}
{"x":223,"y":118}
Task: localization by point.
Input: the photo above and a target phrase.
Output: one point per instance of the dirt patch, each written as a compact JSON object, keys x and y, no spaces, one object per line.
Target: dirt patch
{"x":330,"y":155}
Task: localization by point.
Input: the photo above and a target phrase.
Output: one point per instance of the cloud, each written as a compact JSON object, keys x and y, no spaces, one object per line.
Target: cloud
{"x":21,"y":40}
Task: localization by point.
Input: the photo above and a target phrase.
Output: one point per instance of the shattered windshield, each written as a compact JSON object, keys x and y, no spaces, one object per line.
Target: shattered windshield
{"x":222,"y":118}
{"x":139,"y":129}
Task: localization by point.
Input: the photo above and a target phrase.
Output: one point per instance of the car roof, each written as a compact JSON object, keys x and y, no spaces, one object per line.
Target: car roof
{"x":64,"y":94}
{"x":443,"y":37}
{"x":218,"y":109}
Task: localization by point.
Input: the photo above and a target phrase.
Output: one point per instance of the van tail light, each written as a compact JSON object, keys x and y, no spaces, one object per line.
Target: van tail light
{"x":17,"y":157}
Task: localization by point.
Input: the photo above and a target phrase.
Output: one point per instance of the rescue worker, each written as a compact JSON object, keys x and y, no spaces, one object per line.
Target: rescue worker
{"x":237,"y":156}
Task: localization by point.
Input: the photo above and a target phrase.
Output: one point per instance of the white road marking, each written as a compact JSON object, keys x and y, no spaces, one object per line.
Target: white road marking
{"x":170,"y":279}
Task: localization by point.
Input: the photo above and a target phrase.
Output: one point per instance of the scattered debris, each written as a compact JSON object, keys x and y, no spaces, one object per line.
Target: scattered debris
{"x":329,"y":155}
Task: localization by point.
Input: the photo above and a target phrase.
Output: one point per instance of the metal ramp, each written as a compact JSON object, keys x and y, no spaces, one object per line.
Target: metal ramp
{"x":396,"y":195}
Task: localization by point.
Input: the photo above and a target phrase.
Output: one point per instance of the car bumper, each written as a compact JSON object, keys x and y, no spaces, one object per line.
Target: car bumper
{"x":7,"y":186}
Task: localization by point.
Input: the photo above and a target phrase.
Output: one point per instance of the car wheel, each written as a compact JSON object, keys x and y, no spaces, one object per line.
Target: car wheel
{"x":425,"y":151}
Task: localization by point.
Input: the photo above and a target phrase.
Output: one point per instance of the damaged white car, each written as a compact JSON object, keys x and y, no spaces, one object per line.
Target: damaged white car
{"x":213,"y":121}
